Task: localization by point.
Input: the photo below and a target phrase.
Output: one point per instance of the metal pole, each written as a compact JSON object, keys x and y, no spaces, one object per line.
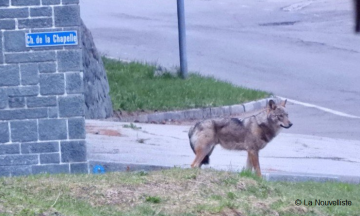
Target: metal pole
{"x":182,"y":38}
{"x":357,"y":15}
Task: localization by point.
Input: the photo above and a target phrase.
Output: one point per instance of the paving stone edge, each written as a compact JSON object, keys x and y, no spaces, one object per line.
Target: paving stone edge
{"x":200,"y":113}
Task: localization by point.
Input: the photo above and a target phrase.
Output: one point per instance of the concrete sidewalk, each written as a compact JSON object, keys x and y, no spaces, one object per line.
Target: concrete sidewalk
{"x":287,"y":157}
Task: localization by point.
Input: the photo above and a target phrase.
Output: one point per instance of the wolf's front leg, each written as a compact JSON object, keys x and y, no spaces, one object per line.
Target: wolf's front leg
{"x":254,"y":160}
{"x":249,"y":165}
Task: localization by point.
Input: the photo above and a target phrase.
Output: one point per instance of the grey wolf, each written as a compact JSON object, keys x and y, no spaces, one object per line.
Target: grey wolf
{"x":250,"y":134}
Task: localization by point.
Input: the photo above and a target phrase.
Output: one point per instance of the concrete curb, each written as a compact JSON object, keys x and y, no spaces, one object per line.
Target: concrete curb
{"x":304,"y":177}
{"x":271,"y":177}
{"x":200,"y":113}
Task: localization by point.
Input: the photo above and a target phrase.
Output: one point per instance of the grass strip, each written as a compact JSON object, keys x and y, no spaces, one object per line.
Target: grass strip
{"x":171,"y":192}
{"x":137,"y":86}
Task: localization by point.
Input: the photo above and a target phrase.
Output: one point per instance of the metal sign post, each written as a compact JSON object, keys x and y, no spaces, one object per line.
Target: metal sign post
{"x":182,"y":38}
{"x":357,"y":15}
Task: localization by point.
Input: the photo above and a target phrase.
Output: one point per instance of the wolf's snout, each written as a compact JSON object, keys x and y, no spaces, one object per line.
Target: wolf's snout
{"x":288,"y":126}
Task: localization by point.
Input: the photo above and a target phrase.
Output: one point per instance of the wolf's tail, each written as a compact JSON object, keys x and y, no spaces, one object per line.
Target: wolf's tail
{"x":206,"y":159}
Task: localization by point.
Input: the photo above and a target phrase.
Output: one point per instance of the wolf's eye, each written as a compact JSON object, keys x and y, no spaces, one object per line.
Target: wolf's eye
{"x":280,"y":116}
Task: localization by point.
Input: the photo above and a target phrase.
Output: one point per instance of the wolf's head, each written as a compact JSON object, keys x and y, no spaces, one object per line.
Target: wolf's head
{"x":278,"y":115}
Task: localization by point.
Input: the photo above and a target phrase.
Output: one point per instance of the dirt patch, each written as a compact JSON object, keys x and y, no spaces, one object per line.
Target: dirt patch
{"x":298,"y":210}
{"x":231,"y":212}
{"x":102,"y":131}
{"x":186,"y":189}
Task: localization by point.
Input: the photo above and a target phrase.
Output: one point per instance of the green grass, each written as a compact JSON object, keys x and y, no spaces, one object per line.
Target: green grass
{"x":135,"y":87}
{"x":132,"y":126}
{"x":170,"y":192}
{"x":153,"y":199}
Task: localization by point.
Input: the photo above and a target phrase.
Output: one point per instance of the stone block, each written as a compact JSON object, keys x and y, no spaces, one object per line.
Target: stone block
{"x":3,"y":98}
{"x":52,"y":129}
{"x":39,"y":147}
{"x":24,"y":131}
{"x":53,"y":112}
{"x":16,"y":160}
{"x":4,"y":132}
{"x":74,"y":83}
{"x":50,"y":2}
{"x":79,"y":168}
{"x":141,"y":118}
{"x":35,"y":113}
{"x":35,"y":23}
{"x":67,"y":2}
{"x":16,"y":102}
{"x":23,"y":114}
{"x":9,"y":149}
{"x":76,"y":128}
{"x":216,"y":112}
{"x":193,"y":114}
{"x":53,"y":158}
{"x":30,"y":57}
{"x":156,"y":117}
{"x":47,"y":67}
{"x":15,"y":170}
{"x":73,"y":151}
{"x":23,"y":91}
{"x":41,"y":101}
{"x":9,"y":75}
{"x":206,"y":112}
{"x":8,"y":13}
{"x":29,"y":74}
{"x":51,"y":169}
{"x":67,"y":15}
{"x":25,"y":2}
{"x":4,"y":3}
{"x":40,"y":12}
{"x":71,"y":106}
{"x":175,"y":115}
{"x":14,"y":41}
{"x":69,"y":60}
{"x":1,"y":49}
{"x":7,"y":24}
{"x":52,"y":84}
{"x":237,"y":109}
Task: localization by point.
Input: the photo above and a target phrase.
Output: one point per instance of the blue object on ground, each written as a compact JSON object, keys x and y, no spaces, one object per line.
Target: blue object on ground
{"x":98,"y":169}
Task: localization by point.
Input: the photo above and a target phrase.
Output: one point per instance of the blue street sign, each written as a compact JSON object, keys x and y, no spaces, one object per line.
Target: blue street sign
{"x":42,"y":39}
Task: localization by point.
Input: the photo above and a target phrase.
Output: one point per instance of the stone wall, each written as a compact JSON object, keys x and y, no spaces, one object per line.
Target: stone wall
{"x":97,"y":100}
{"x":42,"y":126}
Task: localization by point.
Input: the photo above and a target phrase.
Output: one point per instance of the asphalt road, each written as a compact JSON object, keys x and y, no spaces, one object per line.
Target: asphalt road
{"x":302,"y":50}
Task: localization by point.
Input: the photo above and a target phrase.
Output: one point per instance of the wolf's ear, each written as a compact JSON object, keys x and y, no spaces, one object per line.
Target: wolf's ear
{"x":283,"y":103}
{"x":272,"y":105}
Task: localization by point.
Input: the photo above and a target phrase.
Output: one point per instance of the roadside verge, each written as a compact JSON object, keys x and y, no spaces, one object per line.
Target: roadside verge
{"x":199,"y":113}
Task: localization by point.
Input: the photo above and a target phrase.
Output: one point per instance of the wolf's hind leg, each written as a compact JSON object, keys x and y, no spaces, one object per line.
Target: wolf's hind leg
{"x":202,"y":151}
